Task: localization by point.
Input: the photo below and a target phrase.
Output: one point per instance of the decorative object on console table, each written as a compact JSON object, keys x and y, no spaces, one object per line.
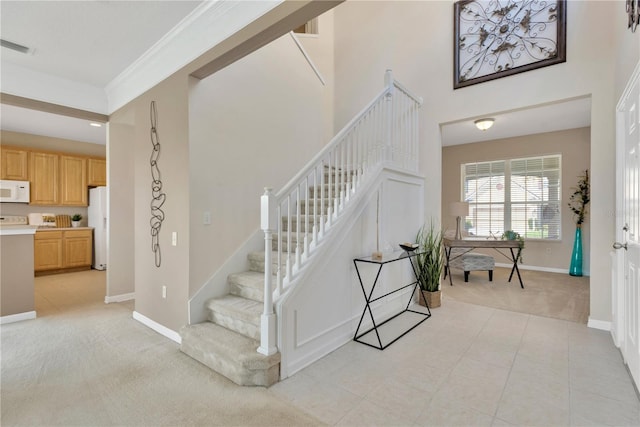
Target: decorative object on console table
{"x":497,"y":39}
{"x":75,"y":220}
{"x":459,"y":210}
{"x":377,"y":255}
{"x":578,"y":204}
{"x":430,"y":262}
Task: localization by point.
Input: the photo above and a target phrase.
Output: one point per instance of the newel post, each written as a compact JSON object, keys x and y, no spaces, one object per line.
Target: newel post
{"x":268,"y":318}
{"x":387,"y":151}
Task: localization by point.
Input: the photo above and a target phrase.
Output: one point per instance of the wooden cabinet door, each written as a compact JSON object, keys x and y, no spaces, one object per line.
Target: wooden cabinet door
{"x":47,"y":251}
{"x":43,"y":174}
{"x":14,"y":164}
{"x":97,"y":171}
{"x":77,"y":248}
{"x":73,"y":181}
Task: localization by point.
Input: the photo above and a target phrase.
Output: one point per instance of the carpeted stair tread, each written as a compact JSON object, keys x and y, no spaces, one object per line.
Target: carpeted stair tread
{"x":240,"y":308}
{"x":230,"y":354}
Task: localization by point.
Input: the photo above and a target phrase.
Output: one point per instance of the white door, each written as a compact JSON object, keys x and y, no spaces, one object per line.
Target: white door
{"x":628,"y":226}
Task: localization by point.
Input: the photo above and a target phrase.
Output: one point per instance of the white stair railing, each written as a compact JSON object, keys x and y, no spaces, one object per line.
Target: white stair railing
{"x":385,"y":132}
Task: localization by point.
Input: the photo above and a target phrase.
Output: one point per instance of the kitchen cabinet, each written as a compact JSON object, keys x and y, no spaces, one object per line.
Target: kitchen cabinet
{"x":47,"y":250}
{"x":14,"y":164}
{"x":62,"y":250}
{"x":57,"y":179}
{"x":97,"y":172}
{"x":77,"y":248}
{"x":73,"y":181}
{"x":44,"y":169}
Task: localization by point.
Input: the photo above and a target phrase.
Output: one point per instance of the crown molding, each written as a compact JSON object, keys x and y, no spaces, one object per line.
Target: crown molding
{"x":207,"y":25}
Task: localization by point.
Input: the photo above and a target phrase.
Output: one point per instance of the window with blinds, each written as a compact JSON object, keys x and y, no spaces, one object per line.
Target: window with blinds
{"x":522,"y":195}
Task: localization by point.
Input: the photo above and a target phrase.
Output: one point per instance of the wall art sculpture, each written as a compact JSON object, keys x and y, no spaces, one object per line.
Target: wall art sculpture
{"x":498,"y":38}
{"x":157,"y":196}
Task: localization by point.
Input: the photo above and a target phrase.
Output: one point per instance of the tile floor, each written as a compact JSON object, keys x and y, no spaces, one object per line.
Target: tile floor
{"x":472,"y":366}
{"x":467,"y":365}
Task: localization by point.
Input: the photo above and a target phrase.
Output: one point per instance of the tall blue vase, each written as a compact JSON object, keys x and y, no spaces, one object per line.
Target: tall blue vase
{"x":576,"y":256}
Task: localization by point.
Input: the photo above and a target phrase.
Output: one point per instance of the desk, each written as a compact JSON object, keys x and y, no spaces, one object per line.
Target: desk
{"x":412,"y":318}
{"x":472,"y":244}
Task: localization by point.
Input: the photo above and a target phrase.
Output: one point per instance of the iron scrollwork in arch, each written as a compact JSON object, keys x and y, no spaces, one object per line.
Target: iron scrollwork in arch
{"x":497,"y":38}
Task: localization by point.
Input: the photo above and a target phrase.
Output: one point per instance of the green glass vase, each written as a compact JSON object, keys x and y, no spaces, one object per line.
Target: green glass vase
{"x":576,"y":257}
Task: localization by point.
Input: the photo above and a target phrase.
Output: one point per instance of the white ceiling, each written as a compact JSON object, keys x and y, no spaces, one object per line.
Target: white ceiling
{"x":88,"y":42}
{"x":92,"y":42}
{"x":570,"y":114}
{"x":34,"y":122}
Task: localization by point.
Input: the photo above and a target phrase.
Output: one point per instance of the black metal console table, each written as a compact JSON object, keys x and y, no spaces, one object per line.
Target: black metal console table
{"x":406,"y":317}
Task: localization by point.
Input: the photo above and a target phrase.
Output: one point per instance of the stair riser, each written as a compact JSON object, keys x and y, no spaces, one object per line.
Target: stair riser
{"x":243,"y":327}
{"x":285,"y":246}
{"x":315,"y":208}
{"x":303,"y":225}
{"x":313,"y":192}
{"x":258,"y":265}
{"x":246,"y":292}
{"x":227,"y":368}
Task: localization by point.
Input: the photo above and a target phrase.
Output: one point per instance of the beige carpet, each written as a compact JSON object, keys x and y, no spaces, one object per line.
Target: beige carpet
{"x":84,"y":363}
{"x":555,"y":295}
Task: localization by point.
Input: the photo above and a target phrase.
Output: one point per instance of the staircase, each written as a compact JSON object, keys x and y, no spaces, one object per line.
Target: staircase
{"x":228,"y":342}
{"x":239,"y":339}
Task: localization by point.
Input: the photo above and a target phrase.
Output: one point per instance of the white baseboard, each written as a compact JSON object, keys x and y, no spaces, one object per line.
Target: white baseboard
{"x":536,"y":268}
{"x":27,"y":315}
{"x":162,"y":330}
{"x":599,"y":324}
{"x":119,"y":298}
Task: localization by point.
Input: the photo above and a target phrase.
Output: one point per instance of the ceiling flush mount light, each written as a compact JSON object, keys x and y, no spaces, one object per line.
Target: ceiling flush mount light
{"x":484,"y":124}
{"x":96,"y":125}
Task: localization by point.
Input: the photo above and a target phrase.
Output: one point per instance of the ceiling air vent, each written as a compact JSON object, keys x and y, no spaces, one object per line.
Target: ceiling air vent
{"x":14,"y":46}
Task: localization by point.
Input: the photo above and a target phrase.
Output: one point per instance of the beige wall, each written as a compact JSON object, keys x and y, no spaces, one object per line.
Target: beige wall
{"x":414,"y":40}
{"x":574,"y":147}
{"x":627,"y":49}
{"x":222,"y":139}
{"x":130,"y":144}
{"x":252,"y":125}
{"x":16,"y":274}
{"x":52,"y":144}
{"x":120,"y":173}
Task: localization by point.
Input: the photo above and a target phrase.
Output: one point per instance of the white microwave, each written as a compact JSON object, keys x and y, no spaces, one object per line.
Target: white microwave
{"x":14,"y":191}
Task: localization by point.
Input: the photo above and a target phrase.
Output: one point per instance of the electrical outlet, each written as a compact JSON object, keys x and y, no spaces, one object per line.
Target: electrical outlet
{"x":164,"y":291}
{"x":174,"y":238}
{"x":206,"y":218}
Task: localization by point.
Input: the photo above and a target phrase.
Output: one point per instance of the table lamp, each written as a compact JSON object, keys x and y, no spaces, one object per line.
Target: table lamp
{"x":459,"y":210}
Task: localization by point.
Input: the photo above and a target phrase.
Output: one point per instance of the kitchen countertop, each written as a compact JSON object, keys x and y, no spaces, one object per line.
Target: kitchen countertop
{"x":62,"y":228}
{"x":15,"y":230}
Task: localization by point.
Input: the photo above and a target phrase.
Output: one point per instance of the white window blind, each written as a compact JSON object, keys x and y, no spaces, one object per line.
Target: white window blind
{"x":520,"y":194}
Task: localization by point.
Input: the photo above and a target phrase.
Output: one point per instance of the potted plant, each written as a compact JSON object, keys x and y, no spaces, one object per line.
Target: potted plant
{"x":75,"y":220}
{"x":429,"y":264}
{"x":513,"y":235}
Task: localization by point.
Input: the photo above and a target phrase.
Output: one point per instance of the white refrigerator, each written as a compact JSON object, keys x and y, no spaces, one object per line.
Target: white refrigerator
{"x":97,"y":213}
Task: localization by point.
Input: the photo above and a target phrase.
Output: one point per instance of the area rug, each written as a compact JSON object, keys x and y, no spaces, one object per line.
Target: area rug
{"x":559,"y":296}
